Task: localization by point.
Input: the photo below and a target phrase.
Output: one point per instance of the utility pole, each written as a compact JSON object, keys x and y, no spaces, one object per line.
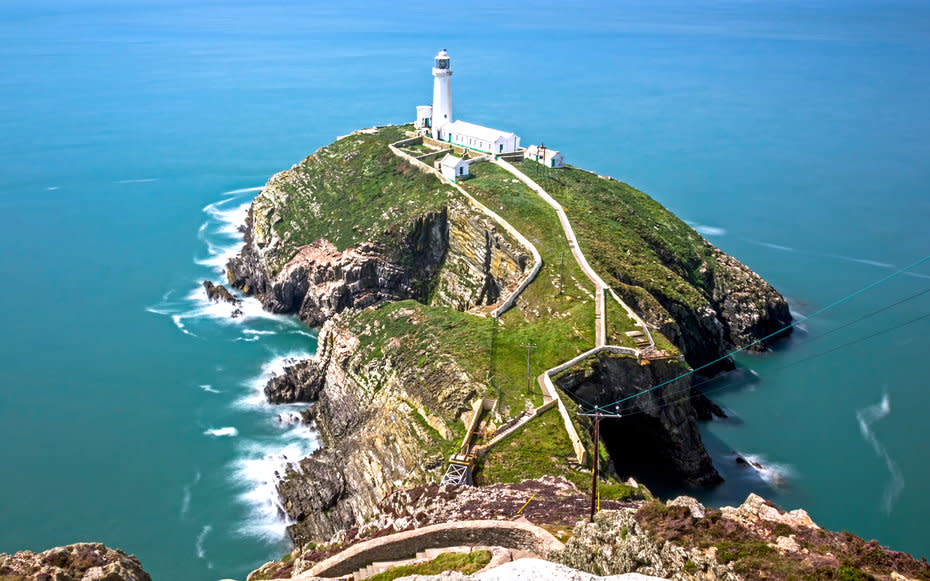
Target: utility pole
{"x":561,"y":269}
{"x":529,"y":347}
{"x":597,"y":415}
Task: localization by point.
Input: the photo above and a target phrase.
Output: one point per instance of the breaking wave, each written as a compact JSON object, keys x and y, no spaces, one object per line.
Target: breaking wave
{"x":226,"y":432}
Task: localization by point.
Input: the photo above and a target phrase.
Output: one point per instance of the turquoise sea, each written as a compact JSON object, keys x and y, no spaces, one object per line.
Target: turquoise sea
{"x":794,"y":135}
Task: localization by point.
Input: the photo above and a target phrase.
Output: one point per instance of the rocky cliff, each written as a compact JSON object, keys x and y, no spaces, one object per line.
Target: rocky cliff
{"x":381,"y":422}
{"x":659,"y":435}
{"x":78,"y":562}
{"x":306,"y":252}
{"x":395,"y":266}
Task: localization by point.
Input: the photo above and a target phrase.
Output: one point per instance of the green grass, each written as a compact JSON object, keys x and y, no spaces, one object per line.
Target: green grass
{"x":540,"y":447}
{"x":351,"y":191}
{"x":630,"y":239}
{"x":465,"y":563}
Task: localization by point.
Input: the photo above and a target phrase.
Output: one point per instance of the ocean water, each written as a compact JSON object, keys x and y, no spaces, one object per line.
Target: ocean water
{"x":794,"y":135}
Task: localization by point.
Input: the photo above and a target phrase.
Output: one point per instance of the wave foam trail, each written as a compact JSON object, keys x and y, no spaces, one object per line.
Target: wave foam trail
{"x":774,"y":246}
{"x":198,"y":545}
{"x":209,"y":388}
{"x":860,"y":260}
{"x":706,"y":230}
{"x":868,"y":416}
{"x":186,"y":494}
{"x":225,"y":432}
{"x":136,"y":181}
{"x":772,"y":474}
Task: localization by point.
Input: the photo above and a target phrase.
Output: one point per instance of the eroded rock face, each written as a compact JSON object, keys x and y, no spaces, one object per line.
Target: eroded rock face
{"x":728,"y":306}
{"x":81,"y":561}
{"x":659,"y":436}
{"x":456,"y":256}
{"x":374,"y":421}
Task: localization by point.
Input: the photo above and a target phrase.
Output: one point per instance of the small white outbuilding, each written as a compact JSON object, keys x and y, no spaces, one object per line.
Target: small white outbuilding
{"x":453,"y":168}
{"x":545,"y":156}
{"x":424,"y":116}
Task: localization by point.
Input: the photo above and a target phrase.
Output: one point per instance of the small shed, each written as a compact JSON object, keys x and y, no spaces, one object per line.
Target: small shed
{"x":544,"y":155}
{"x":424,"y":116}
{"x":453,"y":168}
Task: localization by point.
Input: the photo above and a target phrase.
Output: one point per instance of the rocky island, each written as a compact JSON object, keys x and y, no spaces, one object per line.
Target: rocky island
{"x":405,"y":273}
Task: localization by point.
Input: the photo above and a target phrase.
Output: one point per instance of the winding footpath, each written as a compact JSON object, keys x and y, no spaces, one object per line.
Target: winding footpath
{"x":600,"y":314}
{"x":550,"y":394}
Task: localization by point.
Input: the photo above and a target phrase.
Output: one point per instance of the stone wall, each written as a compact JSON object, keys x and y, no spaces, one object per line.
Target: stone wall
{"x":512,"y":535}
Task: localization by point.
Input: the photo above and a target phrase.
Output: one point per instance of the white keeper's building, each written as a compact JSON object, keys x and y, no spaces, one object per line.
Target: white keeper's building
{"x":437,"y":119}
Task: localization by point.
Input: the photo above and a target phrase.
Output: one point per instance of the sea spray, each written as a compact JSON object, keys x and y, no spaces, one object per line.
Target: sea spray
{"x":868,"y":416}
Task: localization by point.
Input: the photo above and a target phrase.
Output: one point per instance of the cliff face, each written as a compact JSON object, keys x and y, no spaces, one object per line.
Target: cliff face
{"x":728,"y":306}
{"x":658,"y":437}
{"x":386,"y":258}
{"x":452,"y":257}
{"x":352,"y":225}
{"x":79,"y":561}
{"x":378,"y":420}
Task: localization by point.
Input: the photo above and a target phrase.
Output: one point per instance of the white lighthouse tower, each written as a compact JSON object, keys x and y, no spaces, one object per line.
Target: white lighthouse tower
{"x":442,"y":93}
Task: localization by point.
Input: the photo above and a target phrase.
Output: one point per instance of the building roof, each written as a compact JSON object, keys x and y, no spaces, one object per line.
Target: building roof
{"x":451,"y":161}
{"x":474,"y":130}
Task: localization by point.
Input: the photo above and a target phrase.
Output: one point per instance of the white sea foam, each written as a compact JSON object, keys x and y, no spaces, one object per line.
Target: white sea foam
{"x":209,"y":388}
{"x":198,"y":545}
{"x":861,"y":260}
{"x":53,"y":188}
{"x":225,"y":432}
{"x":706,"y":230}
{"x":868,"y":416}
{"x":773,"y":474}
{"x":186,"y":494}
{"x":137,"y":181}
{"x":257,"y":332}
{"x":275,"y":366}
{"x":776,"y":246}
{"x":243,"y":191}
{"x":260,"y":467}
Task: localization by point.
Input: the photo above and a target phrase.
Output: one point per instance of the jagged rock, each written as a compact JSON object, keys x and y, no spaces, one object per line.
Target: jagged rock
{"x":366,"y":414}
{"x":615,"y":543}
{"x":705,"y":409}
{"x":218,"y":292}
{"x":300,"y":382}
{"x":661,"y":422}
{"x":81,"y":561}
{"x":697,"y":509}
{"x":756,"y":509}
{"x":455,"y":252}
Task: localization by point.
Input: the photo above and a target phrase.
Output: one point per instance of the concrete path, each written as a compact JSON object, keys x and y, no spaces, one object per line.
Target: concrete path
{"x":537,"y":258}
{"x":600,"y":318}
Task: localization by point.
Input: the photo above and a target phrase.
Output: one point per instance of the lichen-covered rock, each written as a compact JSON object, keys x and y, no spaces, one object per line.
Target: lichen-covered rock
{"x":77,"y":562}
{"x":756,"y":511}
{"x":615,"y":543}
